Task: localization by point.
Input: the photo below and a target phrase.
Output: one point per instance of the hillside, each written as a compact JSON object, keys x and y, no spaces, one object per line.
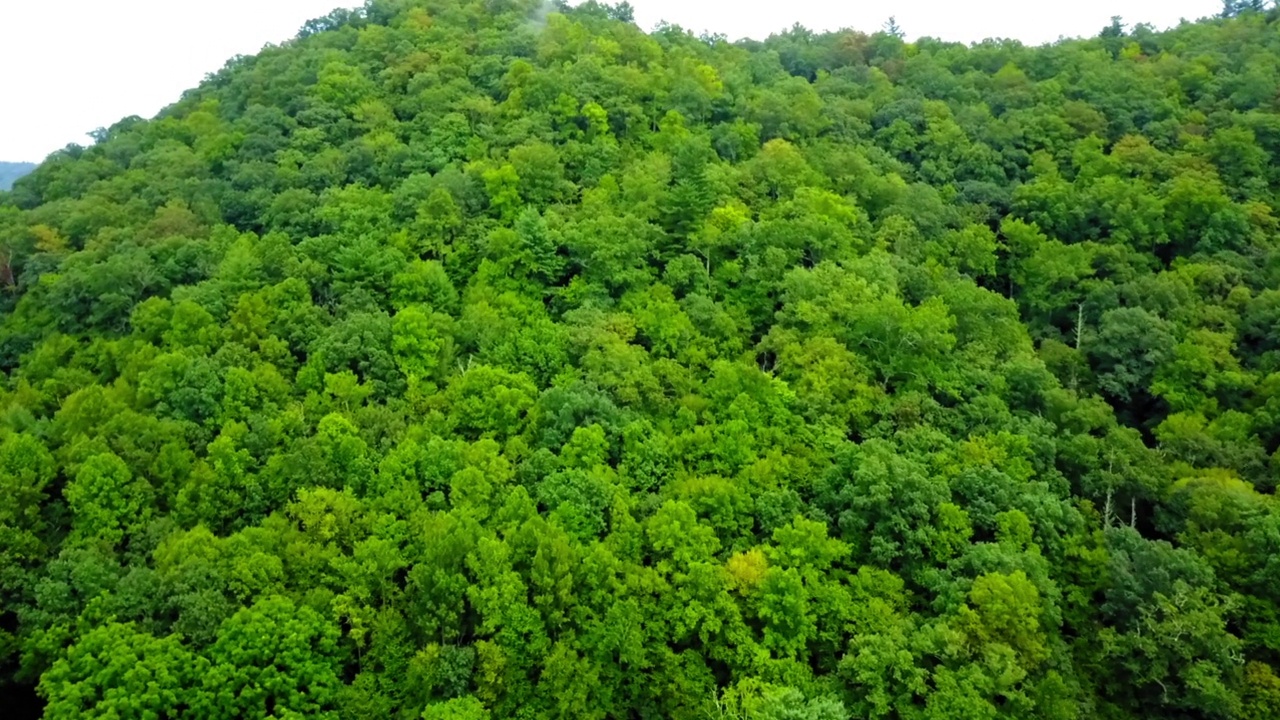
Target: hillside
{"x":10,"y":172}
{"x":466,"y":359}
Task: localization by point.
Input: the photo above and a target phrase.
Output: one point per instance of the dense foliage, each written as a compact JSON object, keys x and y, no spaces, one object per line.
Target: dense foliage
{"x":465,"y":359}
{"x":9,"y":172}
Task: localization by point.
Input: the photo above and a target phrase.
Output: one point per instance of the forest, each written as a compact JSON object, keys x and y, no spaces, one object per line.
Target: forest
{"x":484,"y":359}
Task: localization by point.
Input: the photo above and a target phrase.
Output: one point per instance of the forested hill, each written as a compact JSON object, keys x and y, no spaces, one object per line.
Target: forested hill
{"x":464,"y":359}
{"x":9,"y":172}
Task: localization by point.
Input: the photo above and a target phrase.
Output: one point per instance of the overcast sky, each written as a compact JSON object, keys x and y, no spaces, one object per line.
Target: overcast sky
{"x":69,"y":66}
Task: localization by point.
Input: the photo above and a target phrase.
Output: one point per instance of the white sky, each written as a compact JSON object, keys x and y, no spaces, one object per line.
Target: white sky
{"x":70,"y":66}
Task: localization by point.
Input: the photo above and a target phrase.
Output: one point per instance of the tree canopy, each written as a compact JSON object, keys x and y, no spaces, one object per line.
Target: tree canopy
{"x":481,"y":359}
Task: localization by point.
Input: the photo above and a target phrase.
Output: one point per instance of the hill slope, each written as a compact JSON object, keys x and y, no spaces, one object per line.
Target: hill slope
{"x":9,"y":172}
{"x":460,"y":360}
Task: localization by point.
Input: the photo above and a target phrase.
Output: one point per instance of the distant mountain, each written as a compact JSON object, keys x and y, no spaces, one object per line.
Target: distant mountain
{"x":9,"y":172}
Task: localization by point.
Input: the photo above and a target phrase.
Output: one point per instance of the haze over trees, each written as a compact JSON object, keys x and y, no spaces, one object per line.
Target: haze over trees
{"x":464,"y":359}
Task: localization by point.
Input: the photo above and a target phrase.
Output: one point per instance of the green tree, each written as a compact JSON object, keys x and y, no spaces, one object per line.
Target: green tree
{"x":106,"y":500}
{"x":115,"y":670}
{"x":272,"y":658}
